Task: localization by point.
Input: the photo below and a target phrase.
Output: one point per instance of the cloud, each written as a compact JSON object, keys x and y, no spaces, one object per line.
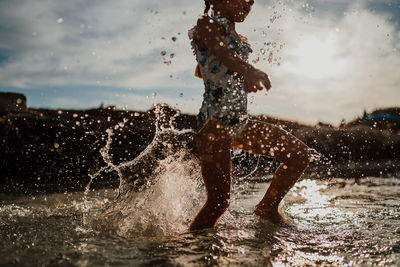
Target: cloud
{"x":59,"y":43}
{"x":336,"y":57}
{"x":331,"y":67}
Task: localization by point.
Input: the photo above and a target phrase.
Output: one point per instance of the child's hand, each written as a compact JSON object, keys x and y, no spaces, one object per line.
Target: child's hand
{"x":255,"y":80}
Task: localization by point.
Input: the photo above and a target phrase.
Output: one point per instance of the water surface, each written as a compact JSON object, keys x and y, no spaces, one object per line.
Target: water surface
{"x":336,"y":222}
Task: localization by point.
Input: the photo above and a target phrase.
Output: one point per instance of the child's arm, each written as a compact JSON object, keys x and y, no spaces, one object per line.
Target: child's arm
{"x":209,"y":35}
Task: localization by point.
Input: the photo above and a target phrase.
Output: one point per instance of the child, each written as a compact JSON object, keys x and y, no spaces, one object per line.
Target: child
{"x":223,"y":122}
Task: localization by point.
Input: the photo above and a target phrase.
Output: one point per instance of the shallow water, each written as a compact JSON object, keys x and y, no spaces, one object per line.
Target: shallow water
{"x":336,"y":222}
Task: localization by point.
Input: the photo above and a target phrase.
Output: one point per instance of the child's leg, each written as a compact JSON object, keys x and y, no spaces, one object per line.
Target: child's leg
{"x":213,"y":145}
{"x":269,"y":140}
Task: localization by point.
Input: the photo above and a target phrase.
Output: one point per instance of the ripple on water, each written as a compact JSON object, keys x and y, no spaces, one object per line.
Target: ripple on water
{"x":336,"y":222}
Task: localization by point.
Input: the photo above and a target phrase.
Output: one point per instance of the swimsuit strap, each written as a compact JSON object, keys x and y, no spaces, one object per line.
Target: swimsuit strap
{"x":237,"y":38}
{"x":223,"y":21}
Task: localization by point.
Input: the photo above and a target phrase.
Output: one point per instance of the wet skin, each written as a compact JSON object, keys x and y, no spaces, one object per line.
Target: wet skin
{"x":210,"y":35}
{"x":214,"y":145}
{"x":214,"y":142}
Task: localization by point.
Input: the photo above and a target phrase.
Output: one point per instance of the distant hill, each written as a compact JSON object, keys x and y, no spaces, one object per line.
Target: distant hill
{"x":44,"y":150}
{"x":393,"y":111}
{"x":382,"y":119}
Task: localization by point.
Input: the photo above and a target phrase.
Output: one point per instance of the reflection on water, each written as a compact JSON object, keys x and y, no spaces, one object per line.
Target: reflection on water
{"x":164,"y":208}
{"x":310,"y":205}
{"x":336,"y":222}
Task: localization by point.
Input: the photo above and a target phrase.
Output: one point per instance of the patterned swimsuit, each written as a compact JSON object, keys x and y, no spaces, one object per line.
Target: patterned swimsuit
{"x":224,"y":98}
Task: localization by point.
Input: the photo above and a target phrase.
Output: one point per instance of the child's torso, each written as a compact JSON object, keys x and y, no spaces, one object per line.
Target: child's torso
{"x":212,"y":70}
{"x":224,"y":97}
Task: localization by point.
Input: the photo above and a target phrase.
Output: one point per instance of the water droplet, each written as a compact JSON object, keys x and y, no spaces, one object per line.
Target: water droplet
{"x":60,"y":20}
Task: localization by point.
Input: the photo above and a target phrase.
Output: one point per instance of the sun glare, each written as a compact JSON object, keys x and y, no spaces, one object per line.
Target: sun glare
{"x":317,"y":59}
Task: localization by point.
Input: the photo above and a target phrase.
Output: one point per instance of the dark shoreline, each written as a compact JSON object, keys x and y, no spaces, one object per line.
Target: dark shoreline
{"x":45,"y":151}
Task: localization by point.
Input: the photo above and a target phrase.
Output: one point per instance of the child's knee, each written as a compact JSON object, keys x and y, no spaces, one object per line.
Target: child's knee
{"x":304,"y":158}
{"x":298,"y":159}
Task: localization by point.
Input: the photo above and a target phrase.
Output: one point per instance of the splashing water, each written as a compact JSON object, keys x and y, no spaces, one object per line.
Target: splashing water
{"x":336,"y":222}
{"x":165,"y":208}
{"x":162,"y":200}
{"x":315,"y":156}
{"x":159,"y":204}
{"x":160,"y":130}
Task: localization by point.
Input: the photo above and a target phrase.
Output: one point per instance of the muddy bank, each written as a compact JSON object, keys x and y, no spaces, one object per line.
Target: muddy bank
{"x":55,"y":150}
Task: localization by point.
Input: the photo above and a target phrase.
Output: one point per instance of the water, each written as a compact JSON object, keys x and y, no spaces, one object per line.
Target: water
{"x":336,"y":222}
{"x":339,"y":222}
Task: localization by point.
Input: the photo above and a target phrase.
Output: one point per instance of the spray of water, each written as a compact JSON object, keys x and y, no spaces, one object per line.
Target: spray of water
{"x":158,"y":204}
{"x":160,"y":131}
{"x":165,"y":208}
{"x":162,"y":201}
{"x":315,"y":156}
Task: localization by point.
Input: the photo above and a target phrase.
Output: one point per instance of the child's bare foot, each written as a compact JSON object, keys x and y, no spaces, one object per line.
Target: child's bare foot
{"x":270,"y":214}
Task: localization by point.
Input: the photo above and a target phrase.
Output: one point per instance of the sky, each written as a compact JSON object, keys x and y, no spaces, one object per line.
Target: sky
{"x":328,"y":59}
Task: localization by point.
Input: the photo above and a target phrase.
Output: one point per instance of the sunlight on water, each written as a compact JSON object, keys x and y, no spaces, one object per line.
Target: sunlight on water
{"x":163,"y":209}
{"x":310,"y":205}
{"x":336,"y":222}
{"x":166,"y":201}
{"x":159,"y":203}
